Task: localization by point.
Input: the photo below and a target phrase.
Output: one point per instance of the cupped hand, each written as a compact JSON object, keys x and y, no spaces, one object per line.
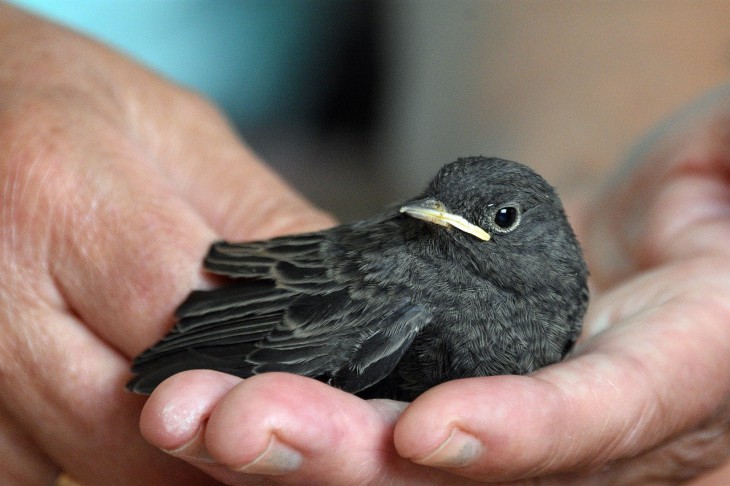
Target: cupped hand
{"x":113,"y":183}
{"x":643,"y":398}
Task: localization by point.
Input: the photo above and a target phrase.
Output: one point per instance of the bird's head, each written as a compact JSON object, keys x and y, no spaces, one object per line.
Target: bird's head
{"x":500,"y":219}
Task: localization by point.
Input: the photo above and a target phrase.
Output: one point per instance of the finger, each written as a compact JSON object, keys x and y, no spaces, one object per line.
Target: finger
{"x":293,"y":430}
{"x":674,"y":180}
{"x":238,"y":195}
{"x":176,"y":415}
{"x":251,"y":201}
{"x":670,"y":211}
{"x":627,"y":391}
{"x":299,"y":430}
{"x":126,"y":267}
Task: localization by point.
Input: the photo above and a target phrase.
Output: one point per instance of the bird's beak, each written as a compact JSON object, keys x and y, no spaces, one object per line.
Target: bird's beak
{"x":435,"y":211}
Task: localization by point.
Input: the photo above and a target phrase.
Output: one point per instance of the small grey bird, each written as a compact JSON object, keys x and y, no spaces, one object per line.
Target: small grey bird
{"x":480,"y":275}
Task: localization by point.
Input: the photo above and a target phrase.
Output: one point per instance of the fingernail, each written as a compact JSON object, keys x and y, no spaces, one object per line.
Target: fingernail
{"x":459,"y":450}
{"x":193,"y":451}
{"x":277,"y":459}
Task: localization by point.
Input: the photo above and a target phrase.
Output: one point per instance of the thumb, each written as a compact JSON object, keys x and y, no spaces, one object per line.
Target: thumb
{"x":238,"y":196}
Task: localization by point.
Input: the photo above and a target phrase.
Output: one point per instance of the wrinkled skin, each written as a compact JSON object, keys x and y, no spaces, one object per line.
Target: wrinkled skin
{"x":112,"y":185}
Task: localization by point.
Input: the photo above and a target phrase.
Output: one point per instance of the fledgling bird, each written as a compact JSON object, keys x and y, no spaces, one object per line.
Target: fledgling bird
{"x":479,"y":275}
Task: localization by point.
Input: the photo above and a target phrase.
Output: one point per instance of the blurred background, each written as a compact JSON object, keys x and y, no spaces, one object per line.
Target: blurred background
{"x":358,"y":103}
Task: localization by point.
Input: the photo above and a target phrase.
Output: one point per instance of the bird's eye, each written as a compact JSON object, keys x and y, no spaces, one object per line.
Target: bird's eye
{"x":507,"y":218}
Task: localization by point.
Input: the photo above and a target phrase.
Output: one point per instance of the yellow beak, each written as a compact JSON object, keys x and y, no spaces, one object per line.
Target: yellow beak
{"x":435,"y":211}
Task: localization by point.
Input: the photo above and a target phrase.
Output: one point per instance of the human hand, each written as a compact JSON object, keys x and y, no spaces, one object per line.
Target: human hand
{"x":644,"y":397}
{"x":112,"y":185}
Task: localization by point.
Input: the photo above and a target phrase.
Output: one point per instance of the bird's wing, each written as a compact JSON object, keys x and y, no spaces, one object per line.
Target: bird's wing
{"x":232,"y":315}
{"x":297,"y":304}
{"x":338,"y":326}
{"x":287,"y":259}
{"x":349,"y":342}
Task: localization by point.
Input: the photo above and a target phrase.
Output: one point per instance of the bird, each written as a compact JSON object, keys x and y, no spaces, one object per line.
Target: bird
{"x":479,"y":275}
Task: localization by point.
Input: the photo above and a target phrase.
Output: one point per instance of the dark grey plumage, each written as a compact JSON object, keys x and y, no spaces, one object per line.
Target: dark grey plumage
{"x":393,"y":305}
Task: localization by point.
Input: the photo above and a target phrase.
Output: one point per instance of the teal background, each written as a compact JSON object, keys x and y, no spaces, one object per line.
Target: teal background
{"x":258,"y":59}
